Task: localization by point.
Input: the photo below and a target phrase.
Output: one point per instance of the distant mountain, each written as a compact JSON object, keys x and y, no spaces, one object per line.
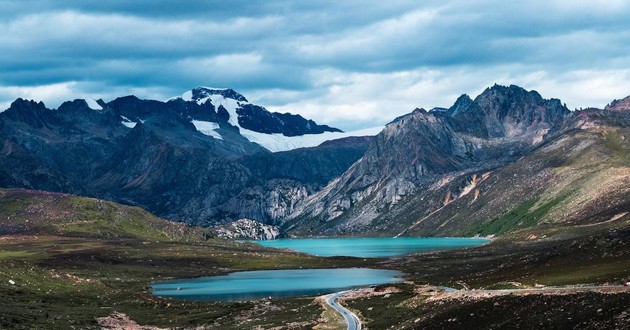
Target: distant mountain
{"x":200,"y":158}
{"x":506,"y":160}
{"x":213,"y":111}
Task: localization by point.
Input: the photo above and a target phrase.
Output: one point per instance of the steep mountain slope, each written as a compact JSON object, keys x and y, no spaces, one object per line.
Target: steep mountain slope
{"x":505,"y":161}
{"x":577,"y":178}
{"x":190,"y":159}
{"x":53,"y":149}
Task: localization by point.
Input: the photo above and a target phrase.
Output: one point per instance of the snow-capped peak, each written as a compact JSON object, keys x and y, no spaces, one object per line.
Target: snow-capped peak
{"x":202,"y":93}
{"x":235,"y":105}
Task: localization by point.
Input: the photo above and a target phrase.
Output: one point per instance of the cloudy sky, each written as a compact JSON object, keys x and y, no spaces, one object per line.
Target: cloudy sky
{"x":351,"y":63}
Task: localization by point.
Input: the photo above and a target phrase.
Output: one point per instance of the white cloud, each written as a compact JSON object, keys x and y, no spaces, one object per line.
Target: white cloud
{"x":362,"y":100}
{"x":373,"y":39}
{"x":50,"y":94}
{"x":341,"y":63}
{"x":585,"y":88}
{"x":357,"y":100}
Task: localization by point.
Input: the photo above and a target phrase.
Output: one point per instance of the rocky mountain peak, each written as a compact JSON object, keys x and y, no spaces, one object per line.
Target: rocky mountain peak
{"x":30,"y":112}
{"x":75,"y":106}
{"x":619,"y":105}
{"x":461,"y":104}
{"x":21,"y":104}
{"x":507,"y":97}
{"x":511,"y":111}
{"x":497,"y":127}
{"x":200,"y":93}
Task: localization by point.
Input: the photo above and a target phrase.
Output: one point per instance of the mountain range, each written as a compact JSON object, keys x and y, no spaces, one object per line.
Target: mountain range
{"x":202,"y":158}
{"x":505,"y":160}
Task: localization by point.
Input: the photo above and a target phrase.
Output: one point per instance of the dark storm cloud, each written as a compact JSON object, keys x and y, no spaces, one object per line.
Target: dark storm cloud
{"x":332,"y":60}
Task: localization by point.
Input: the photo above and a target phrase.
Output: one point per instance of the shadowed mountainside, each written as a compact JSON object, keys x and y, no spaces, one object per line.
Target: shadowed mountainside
{"x":186,"y":159}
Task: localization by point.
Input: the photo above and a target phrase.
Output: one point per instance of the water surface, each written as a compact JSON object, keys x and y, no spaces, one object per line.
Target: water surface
{"x":274,"y":283}
{"x":372,"y":247}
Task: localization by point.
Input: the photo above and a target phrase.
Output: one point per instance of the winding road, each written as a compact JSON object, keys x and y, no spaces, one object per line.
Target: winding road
{"x":350,"y":317}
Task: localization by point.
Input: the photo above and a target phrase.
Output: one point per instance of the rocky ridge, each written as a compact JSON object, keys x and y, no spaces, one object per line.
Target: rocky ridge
{"x":450,"y":171}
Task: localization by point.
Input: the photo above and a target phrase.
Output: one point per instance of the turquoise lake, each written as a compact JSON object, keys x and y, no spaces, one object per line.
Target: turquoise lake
{"x":309,"y":282}
{"x":372,"y":247}
{"x":274,"y":283}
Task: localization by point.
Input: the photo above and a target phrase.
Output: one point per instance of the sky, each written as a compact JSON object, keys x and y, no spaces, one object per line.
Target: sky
{"x":351,"y":64}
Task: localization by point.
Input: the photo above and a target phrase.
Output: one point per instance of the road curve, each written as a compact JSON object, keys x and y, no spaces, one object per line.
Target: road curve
{"x":350,"y":317}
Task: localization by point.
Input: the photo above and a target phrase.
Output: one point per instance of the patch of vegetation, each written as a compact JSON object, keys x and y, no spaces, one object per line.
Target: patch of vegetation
{"x":383,"y":311}
{"x":503,"y":286}
{"x":523,"y":216}
{"x":331,"y":320}
{"x":545,"y":254}
{"x":536,"y":311}
{"x":613,"y":142}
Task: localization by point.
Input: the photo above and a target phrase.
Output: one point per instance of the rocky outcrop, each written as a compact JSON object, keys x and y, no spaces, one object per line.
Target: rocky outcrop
{"x":246,"y":229}
{"x":619,"y":105}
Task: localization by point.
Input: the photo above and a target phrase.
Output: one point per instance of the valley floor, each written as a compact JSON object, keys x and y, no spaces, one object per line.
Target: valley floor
{"x":61,"y":271}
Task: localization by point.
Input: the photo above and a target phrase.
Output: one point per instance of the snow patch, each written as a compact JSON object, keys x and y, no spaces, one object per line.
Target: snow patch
{"x":278,"y":142}
{"x":230,"y":105}
{"x":207,"y":128}
{"x":93,"y":104}
{"x":187,"y":96}
{"x":214,"y":88}
{"x":203,"y":100}
{"x":127,"y":122}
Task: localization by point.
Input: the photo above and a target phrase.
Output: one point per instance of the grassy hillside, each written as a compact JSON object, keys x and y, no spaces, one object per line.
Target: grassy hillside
{"x":66,"y":260}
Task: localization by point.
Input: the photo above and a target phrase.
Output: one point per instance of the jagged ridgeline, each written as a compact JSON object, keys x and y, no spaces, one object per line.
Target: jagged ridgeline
{"x":505,"y":160}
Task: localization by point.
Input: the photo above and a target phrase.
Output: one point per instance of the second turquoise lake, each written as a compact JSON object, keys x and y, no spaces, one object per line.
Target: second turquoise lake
{"x":380,"y":247}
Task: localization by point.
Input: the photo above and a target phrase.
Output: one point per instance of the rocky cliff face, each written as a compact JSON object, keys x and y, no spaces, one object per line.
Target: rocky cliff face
{"x":415,"y":152}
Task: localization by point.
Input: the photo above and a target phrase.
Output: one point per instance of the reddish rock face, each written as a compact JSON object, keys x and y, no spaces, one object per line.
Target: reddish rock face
{"x":619,"y":105}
